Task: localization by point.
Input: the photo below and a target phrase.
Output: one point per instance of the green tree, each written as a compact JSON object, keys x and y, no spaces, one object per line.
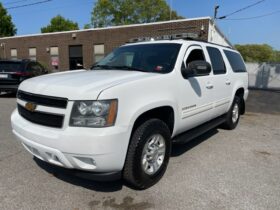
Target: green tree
{"x":7,"y":28}
{"x":87,"y":26}
{"x":59,"y":23}
{"x":256,"y":52}
{"x":276,"y":56}
{"x":123,"y":12}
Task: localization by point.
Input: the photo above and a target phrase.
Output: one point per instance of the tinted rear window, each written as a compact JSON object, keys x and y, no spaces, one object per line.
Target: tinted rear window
{"x":217,"y":61}
{"x":6,"y":66}
{"x":235,"y":61}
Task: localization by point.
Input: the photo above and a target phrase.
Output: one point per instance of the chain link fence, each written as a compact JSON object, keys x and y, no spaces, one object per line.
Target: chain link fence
{"x":264,"y":75}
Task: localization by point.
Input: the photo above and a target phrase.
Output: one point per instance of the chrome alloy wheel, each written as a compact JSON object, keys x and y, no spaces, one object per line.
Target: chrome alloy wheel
{"x":153,"y":154}
{"x":235,"y":113}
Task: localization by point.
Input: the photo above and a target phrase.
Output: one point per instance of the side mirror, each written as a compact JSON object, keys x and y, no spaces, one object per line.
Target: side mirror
{"x":196,"y":69}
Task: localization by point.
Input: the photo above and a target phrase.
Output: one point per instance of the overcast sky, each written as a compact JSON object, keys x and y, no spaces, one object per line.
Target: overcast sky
{"x":266,"y":29}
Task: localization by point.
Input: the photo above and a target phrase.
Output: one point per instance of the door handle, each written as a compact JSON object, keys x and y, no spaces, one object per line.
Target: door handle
{"x":209,"y":86}
{"x":228,"y":82}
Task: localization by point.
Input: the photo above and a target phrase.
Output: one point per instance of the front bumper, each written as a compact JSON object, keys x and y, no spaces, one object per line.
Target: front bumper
{"x":101,"y":150}
{"x":89,"y":175}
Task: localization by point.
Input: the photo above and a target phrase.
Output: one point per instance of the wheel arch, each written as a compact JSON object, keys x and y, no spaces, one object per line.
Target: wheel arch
{"x":165,"y":113}
{"x":153,"y":112}
{"x":240,"y":93}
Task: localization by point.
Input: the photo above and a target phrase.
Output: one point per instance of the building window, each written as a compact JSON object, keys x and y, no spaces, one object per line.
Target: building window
{"x":32,"y":53}
{"x":98,"y":52}
{"x":76,"y":60}
{"x":54,"y":56}
{"x":13,"y":54}
{"x":54,"y":51}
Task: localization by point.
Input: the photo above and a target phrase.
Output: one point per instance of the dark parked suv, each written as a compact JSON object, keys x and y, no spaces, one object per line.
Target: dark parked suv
{"x":13,"y":72}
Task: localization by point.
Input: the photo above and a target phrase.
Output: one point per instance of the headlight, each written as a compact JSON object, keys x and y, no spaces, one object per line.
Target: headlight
{"x":94,"y":113}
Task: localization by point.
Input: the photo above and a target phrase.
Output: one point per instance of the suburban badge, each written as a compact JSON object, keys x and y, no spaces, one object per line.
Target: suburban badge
{"x":30,"y":106}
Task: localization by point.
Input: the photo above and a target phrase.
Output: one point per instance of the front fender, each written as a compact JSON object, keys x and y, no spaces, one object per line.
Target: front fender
{"x":153,"y":105}
{"x":139,"y":96}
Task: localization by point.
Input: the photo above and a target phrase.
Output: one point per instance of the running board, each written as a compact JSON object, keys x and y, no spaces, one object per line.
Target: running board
{"x":199,"y":130}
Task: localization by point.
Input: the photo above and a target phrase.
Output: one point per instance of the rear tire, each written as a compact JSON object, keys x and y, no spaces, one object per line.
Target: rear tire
{"x":148,"y":154}
{"x":233,"y":115}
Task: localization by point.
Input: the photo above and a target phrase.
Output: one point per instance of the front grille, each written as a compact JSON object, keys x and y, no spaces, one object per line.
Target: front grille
{"x":46,"y":119}
{"x":43,"y":100}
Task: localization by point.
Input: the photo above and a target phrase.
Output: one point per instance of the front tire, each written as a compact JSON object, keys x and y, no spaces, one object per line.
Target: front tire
{"x":233,"y":115}
{"x":148,"y":154}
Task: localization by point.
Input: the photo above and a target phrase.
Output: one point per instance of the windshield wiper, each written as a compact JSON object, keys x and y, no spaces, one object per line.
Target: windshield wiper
{"x":102,"y":67}
{"x":128,"y":68}
{"x":116,"y":67}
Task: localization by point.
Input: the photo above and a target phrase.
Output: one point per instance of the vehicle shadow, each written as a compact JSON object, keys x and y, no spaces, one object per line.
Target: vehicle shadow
{"x":64,"y":175}
{"x":179,"y":149}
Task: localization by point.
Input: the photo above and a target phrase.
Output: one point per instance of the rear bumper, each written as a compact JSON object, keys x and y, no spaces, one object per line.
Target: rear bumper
{"x":8,"y":87}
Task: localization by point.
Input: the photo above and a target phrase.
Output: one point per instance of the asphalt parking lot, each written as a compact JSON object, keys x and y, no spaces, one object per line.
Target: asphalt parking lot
{"x":237,"y":169}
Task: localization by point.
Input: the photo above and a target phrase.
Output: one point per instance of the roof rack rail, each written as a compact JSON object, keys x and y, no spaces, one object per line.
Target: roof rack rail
{"x":180,"y":36}
{"x":204,"y":41}
{"x":165,"y":37}
{"x":185,"y":36}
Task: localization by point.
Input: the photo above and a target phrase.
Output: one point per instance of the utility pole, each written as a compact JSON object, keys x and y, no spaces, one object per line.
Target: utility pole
{"x":216,"y":11}
{"x":170,"y":10}
{"x":214,"y":21}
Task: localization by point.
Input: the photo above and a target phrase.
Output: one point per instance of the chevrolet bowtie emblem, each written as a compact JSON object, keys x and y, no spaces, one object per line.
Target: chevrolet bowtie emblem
{"x":30,"y":106}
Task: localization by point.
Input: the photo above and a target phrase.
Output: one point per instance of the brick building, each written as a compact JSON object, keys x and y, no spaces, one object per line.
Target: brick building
{"x":73,"y":49}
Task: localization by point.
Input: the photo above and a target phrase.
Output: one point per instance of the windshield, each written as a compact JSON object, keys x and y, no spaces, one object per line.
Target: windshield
{"x":6,"y":66}
{"x":157,"y":58}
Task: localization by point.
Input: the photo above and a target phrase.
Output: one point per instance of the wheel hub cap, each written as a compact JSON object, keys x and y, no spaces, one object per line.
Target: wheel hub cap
{"x":153,"y":154}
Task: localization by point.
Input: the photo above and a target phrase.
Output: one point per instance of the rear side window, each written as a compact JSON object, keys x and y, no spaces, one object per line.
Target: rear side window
{"x":235,"y":61}
{"x":6,"y":66}
{"x":217,"y":61}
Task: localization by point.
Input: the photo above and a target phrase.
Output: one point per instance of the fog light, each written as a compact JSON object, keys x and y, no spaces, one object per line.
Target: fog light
{"x":87,"y":163}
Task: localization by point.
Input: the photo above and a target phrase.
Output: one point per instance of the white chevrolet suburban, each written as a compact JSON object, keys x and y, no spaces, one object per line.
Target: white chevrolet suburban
{"x":120,"y":118}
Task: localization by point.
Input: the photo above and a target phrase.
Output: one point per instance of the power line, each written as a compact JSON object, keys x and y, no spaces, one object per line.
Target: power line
{"x":47,"y":9}
{"x":27,"y":5}
{"x":14,"y":2}
{"x":255,"y":17}
{"x":242,"y":9}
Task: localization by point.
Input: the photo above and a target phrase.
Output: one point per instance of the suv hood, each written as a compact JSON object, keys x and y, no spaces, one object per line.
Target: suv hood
{"x":80,"y":84}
